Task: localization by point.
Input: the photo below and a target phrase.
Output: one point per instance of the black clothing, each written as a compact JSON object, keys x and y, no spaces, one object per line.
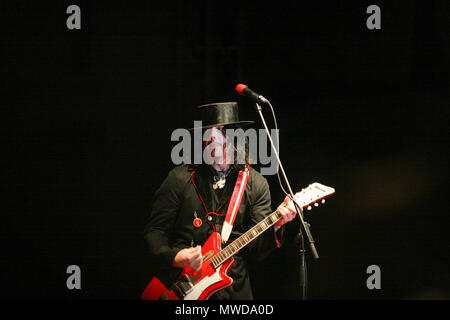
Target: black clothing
{"x":170,"y":226}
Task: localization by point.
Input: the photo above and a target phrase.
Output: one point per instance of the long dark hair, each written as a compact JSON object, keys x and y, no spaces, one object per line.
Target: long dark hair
{"x":241,"y":150}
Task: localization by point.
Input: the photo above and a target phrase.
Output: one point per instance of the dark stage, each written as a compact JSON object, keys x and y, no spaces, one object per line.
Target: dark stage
{"x":88,"y":116}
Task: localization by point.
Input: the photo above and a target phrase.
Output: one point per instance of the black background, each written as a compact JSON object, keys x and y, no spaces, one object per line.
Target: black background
{"x":88,"y":116}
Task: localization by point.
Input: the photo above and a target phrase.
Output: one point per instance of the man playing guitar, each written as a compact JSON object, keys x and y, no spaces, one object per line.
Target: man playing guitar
{"x":192,"y":203}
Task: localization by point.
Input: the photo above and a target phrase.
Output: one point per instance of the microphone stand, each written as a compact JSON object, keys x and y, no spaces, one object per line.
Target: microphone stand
{"x":302,"y":225}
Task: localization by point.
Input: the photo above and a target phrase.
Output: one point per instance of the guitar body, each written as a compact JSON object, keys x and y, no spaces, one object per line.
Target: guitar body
{"x":195,"y":285}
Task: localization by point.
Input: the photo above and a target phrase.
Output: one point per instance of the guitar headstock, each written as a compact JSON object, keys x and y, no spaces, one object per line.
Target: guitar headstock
{"x":311,"y":195}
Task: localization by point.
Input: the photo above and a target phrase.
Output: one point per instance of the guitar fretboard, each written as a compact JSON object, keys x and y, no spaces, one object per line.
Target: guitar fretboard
{"x":245,"y":239}
{"x":313,"y":193}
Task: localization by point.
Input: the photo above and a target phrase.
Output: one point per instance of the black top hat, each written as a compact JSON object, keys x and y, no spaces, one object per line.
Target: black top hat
{"x":220,"y":114}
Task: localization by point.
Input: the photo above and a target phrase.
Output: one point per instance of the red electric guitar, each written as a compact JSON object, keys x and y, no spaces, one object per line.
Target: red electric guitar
{"x":200,"y":285}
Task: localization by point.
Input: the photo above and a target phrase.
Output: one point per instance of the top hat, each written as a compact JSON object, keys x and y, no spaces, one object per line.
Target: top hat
{"x":220,"y":114}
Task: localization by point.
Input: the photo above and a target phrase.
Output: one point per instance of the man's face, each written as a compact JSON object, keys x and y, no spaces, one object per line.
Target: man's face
{"x":215,"y":153}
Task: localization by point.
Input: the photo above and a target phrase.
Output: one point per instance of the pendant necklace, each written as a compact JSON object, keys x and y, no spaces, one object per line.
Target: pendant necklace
{"x":220,"y":179}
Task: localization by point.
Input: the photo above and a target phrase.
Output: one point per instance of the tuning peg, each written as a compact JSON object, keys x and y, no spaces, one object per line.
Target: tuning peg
{"x":309,"y":208}
{"x":323,"y":200}
{"x":316,"y":204}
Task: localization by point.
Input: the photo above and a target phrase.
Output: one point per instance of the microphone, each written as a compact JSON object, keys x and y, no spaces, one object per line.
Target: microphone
{"x":243,"y":90}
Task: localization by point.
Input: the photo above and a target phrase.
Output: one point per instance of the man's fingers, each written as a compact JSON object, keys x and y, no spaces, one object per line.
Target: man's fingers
{"x":284,"y":211}
{"x":197,"y":262}
{"x":198,"y":259}
{"x":196,"y":255}
{"x":289,"y":211}
{"x":198,"y":251}
{"x":287,"y":214}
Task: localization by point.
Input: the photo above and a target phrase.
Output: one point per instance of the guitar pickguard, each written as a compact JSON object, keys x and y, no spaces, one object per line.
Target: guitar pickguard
{"x":200,"y":287}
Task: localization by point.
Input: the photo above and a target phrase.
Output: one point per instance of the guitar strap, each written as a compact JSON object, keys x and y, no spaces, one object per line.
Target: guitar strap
{"x":235,"y":202}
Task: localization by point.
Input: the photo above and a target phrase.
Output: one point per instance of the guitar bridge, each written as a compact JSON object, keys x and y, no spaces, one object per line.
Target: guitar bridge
{"x":182,"y":287}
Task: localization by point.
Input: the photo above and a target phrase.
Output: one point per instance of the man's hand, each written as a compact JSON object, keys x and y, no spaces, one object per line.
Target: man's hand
{"x":189,"y":258}
{"x":287,"y":213}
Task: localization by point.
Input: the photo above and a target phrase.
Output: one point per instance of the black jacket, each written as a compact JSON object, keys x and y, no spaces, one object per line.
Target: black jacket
{"x":170,"y":225}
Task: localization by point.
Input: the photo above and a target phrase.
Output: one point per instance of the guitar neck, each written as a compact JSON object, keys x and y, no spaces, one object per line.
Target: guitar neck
{"x":313,"y":193}
{"x":245,"y":239}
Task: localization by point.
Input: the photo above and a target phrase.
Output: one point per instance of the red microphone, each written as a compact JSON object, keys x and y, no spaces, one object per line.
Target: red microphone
{"x":243,"y":90}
